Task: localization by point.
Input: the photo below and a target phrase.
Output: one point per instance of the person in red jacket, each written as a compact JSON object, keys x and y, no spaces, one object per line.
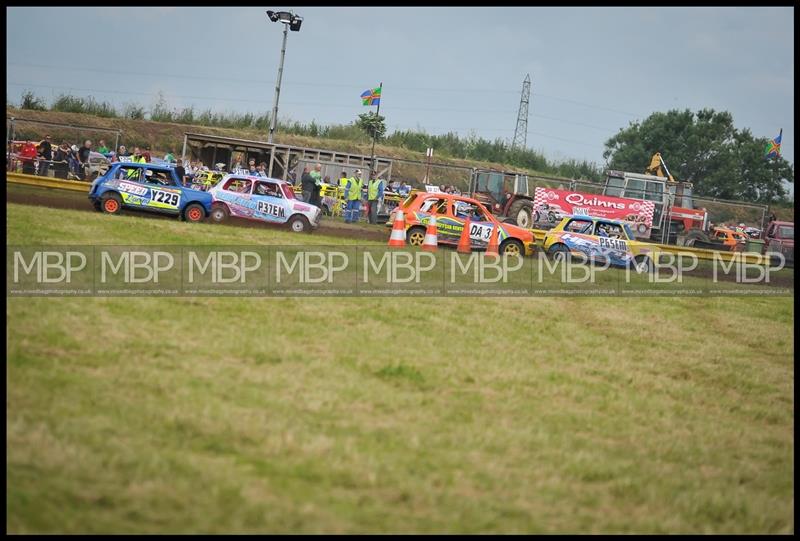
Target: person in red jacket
{"x":27,"y":156}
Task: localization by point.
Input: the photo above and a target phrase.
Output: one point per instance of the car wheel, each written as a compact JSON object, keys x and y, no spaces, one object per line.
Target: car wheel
{"x":559,"y":252}
{"x":643,"y":264}
{"x":219,"y":213}
{"x":512,"y":247}
{"x":415,"y":236}
{"x":194,"y":212}
{"x":299,"y":224}
{"x":111,"y":203}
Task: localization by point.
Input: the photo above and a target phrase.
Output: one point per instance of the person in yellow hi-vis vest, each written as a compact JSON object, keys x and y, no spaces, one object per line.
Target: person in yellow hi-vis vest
{"x":352,"y":195}
{"x":374,"y":198}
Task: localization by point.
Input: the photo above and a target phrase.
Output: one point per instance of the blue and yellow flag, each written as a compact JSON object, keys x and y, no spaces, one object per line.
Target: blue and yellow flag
{"x":371,"y":97}
{"x":773,"y":149}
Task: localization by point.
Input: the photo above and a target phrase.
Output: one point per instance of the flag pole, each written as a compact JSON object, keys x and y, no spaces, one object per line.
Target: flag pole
{"x":374,"y":135}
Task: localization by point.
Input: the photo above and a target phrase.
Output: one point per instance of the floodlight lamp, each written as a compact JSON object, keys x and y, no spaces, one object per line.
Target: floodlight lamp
{"x":272,"y":16}
{"x":295,"y":24}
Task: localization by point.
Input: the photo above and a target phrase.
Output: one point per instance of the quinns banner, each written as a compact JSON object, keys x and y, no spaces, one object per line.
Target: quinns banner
{"x":550,"y":205}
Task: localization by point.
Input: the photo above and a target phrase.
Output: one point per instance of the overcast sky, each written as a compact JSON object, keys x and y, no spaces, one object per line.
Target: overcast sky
{"x":594,"y":70}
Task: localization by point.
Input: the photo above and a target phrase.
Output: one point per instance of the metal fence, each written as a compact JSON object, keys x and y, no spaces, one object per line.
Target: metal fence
{"x":21,"y":132}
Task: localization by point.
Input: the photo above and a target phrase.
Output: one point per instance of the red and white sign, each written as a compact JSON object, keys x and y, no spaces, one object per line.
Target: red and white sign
{"x":638,"y":213}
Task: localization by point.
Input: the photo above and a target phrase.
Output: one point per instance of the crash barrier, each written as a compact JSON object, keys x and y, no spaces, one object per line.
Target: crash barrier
{"x":47,"y":182}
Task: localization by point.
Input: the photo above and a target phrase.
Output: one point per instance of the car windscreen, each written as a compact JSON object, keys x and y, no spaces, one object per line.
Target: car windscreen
{"x":288,"y":191}
{"x":410,"y":199}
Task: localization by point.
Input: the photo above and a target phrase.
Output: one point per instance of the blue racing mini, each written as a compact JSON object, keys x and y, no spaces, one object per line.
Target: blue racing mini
{"x":148,"y":186}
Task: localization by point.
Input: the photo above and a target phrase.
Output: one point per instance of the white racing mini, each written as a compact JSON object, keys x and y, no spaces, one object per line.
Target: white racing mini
{"x":263,"y":199}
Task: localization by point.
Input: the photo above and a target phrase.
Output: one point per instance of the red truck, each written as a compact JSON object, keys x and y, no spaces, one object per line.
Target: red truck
{"x":779,"y":237}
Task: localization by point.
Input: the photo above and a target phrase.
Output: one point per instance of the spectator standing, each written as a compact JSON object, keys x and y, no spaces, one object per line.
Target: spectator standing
{"x":180,"y":172}
{"x":316,"y":174}
{"x":138,"y":156}
{"x":169,"y":157}
{"x":146,"y":154}
{"x":73,"y":161}
{"x":46,"y":152}
{"x":262,"y":169}
{"x":404,"y":189}
{"x":374,"y":198}
{"x":27,"y":156}
{"x":122,"y":152}
{"x":352,"y":195}
{"x":83,"y":158}
{"x":60,"y":161}
{"x":102,"y":148}
{"x":251,"y":168}
{"x":307,"y":183}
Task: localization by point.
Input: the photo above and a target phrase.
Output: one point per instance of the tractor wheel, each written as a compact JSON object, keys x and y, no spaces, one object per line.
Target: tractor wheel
{"x":111,"y":203}
{"x":415,"y":236}
{"x":521,"y":212}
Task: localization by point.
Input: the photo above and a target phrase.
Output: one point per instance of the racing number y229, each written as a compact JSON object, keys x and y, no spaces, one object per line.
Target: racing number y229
{"x":168,"y":198}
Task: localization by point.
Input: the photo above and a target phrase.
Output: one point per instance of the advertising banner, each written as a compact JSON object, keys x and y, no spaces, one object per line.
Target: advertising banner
{"x":550,"y":205}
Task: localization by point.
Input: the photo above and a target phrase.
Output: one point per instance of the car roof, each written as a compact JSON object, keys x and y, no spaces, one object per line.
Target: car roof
{"x":254,"y":177}
{"x":596,"y":219}
{"x":440,"y":195}
{"x":143,"y":165}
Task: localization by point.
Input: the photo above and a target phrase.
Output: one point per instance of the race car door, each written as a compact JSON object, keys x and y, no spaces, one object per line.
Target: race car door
{"x":164,"y":194}
{"x":271,"y":204}
{"x":440,"y":207}
{"x":612,"y":243}
{"x":480,"y":228}
{"x":236,"y":194}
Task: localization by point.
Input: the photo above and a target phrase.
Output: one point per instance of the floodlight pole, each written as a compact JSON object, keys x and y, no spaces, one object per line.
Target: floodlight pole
{"x":274,"y":119}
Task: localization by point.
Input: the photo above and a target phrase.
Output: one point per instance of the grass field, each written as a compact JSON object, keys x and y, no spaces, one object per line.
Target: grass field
{"x":389,"y":415}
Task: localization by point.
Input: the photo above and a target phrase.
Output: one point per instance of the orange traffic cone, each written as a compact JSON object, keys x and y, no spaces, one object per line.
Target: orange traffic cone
{"x":431,"y":242}
{"x":398,"y":237}
{"x":493,"y":247}
{"x":464,"y":245}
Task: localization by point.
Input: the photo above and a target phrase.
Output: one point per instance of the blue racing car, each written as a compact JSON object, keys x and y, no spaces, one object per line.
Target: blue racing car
{"x":148,"y":186}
